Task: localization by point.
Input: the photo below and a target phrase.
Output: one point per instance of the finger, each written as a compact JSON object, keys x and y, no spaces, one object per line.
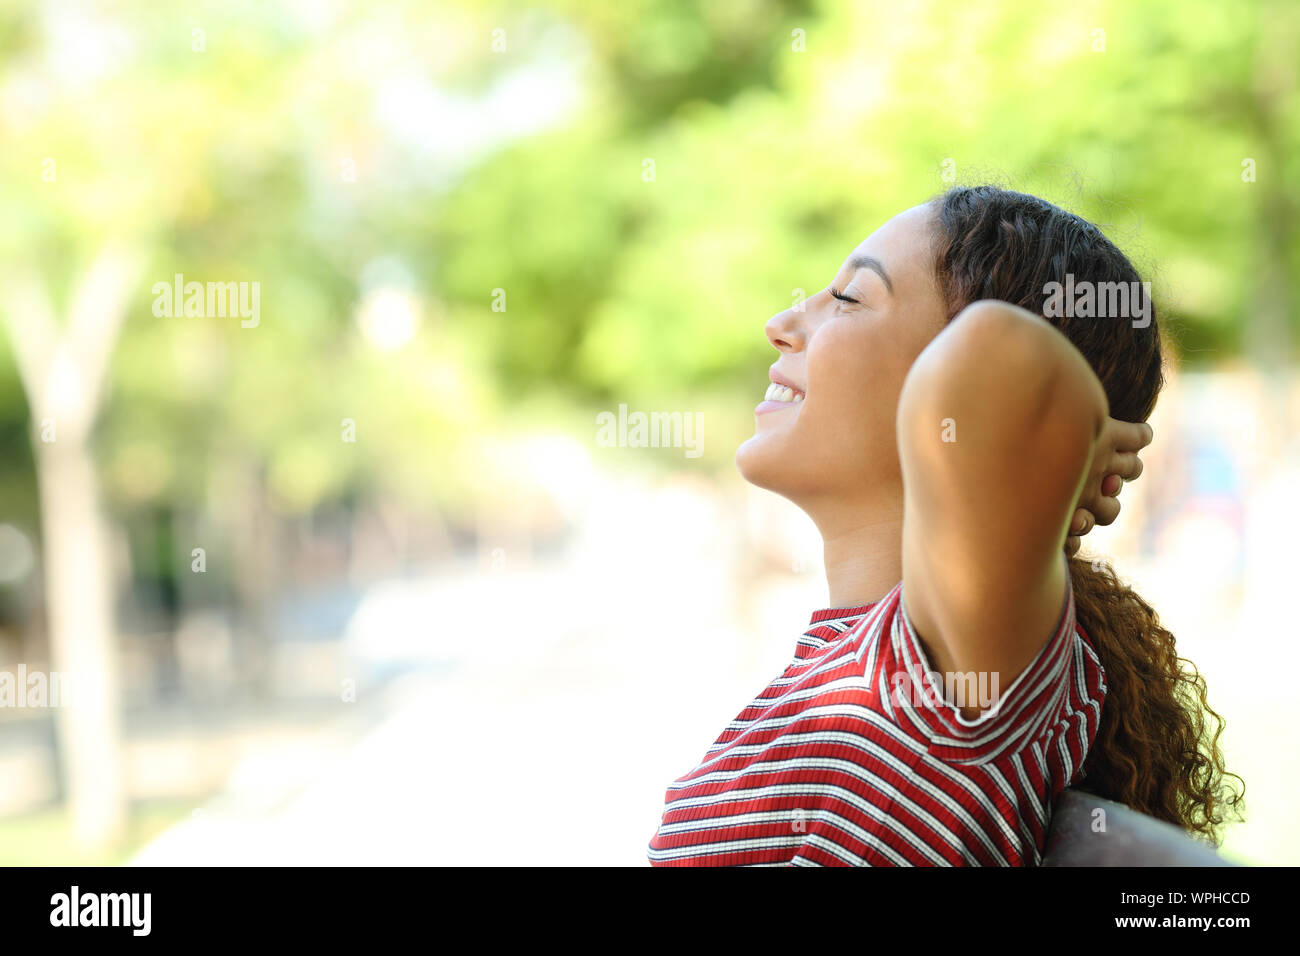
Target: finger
{"x":1131,"y":436}
{"x":1081,"y":523}
{"x":1106,"y":510}
{"x":1125,"y":464}
{"x":1111,"y":484}
{"x":1072,"y":546}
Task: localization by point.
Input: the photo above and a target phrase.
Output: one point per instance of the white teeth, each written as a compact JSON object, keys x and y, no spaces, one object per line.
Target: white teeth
{"x":782,"y":393}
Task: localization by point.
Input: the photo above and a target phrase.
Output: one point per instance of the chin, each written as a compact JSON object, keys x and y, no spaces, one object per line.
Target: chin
{"x":757,"y":465}
{"x":746,"y":456}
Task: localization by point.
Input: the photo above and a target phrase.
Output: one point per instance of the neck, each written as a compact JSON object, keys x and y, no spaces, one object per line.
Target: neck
{"x":862,"y":551}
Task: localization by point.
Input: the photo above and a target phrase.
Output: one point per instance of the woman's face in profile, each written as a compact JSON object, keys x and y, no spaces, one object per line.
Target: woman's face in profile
{"x":849,"y":360}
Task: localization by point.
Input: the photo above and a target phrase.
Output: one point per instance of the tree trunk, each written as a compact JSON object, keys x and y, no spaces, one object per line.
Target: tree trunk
{"x":63,"y":371}
{"x":77,"y":582}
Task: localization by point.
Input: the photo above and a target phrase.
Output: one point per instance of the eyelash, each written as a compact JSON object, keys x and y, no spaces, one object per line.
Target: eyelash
{"x":842,"y":298}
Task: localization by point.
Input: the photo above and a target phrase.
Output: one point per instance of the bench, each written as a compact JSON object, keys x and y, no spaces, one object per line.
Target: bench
{"x":1129,"y":838}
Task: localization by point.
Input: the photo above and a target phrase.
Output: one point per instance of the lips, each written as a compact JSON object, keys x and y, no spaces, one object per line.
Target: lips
{"x":780,"y":379}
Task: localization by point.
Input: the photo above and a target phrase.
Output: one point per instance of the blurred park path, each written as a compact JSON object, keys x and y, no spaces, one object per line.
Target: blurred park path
{"x":581,"y":689}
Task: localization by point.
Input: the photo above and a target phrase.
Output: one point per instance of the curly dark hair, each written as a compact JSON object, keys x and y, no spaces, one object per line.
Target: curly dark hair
{"x":1156,"y":749}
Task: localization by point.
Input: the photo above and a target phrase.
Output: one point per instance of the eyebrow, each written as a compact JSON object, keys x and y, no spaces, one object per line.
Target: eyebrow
{"x":874,"y":264}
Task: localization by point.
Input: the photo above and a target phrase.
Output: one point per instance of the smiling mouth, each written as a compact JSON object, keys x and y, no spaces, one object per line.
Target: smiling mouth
{"x":783,"y":393}
{"x":779,"y":396}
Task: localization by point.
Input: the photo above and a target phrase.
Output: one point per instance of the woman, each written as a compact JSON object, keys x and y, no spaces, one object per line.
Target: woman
{"x":953,"y":428}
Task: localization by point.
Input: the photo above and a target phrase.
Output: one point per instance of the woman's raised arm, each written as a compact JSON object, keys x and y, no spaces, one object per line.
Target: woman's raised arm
{"x":997,"y":424}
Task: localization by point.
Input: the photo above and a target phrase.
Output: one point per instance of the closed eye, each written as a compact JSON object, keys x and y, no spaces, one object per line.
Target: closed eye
{"x":842,"y":298}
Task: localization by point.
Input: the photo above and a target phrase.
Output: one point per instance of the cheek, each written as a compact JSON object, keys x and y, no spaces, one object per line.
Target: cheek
{"x":841,"y":348}
{"x":856,"y":375}
{"x":851,"y":378}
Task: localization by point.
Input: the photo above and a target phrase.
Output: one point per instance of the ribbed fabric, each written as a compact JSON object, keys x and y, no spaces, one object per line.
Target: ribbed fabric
{"x":853,"y":756}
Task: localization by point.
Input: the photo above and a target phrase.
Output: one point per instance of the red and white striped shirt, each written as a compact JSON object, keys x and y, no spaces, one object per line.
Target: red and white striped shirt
{"x":853,"y":756}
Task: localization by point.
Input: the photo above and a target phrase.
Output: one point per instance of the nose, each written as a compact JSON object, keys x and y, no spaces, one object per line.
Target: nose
{"x":785,"y":330}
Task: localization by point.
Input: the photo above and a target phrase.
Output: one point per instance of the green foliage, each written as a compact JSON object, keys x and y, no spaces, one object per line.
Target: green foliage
{"x":780,"y":134}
